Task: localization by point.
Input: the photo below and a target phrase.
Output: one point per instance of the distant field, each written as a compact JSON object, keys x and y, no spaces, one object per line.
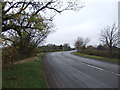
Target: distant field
{"x":97,"y":57}
{"x":26,"y":74}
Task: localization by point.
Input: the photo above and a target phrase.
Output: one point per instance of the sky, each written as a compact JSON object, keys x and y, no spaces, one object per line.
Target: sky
{"x":86,"y":23}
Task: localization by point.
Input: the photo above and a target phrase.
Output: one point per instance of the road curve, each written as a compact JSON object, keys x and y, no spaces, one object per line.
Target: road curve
{"x":64,"y":70}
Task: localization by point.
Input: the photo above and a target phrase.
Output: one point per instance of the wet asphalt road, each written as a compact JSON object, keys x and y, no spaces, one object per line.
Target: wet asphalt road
{"x":64,"y":70}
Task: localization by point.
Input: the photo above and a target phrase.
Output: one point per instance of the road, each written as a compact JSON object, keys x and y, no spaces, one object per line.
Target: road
{"x":64,"y":70}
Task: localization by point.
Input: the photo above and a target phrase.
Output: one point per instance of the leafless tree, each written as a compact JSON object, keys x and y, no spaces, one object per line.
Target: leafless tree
{"x":80,"y":43}
{"x":66,"y":46}
{"x":109,"y":37}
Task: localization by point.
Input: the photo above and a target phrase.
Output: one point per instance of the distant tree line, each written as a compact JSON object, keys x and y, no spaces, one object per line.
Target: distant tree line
{"x":53,"y":48}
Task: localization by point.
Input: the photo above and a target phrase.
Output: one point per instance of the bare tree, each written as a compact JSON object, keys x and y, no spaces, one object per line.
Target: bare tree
{"x":86,"y":41}
{"x":109,"y":37}
{"x":66,"y":46}
{"x":81,"y":43}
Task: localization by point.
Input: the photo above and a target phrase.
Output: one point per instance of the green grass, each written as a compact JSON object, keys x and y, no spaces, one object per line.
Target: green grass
{"x":97,"y":57}
{"x":28,"y":74}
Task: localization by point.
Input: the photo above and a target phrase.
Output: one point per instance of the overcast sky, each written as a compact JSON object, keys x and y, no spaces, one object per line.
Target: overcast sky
{"x":88,"y":22}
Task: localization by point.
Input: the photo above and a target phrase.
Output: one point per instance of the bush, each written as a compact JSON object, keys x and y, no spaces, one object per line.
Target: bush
{"x":102,"y":53}
{"x":9,"y":54}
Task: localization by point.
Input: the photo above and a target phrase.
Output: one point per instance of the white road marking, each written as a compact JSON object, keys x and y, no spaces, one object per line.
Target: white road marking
{"x":116,"y":73}
{"x":92,"y":65}
{"x":96,"y":67}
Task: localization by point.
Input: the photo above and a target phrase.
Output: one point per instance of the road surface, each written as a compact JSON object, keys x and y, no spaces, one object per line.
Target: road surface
{"x":64,"y":70}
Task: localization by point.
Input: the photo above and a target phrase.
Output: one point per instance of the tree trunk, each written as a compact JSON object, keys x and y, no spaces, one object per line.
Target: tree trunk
{"x":110,"y":52}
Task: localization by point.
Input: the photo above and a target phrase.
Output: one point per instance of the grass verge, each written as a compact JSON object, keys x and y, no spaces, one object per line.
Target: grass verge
{"x":97,"y":57}
{"x":26,"y":74}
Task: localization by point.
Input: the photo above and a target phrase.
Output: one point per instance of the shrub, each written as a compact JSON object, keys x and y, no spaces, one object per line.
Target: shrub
{"x":9,"y":54}
{"x":102,"y":53}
